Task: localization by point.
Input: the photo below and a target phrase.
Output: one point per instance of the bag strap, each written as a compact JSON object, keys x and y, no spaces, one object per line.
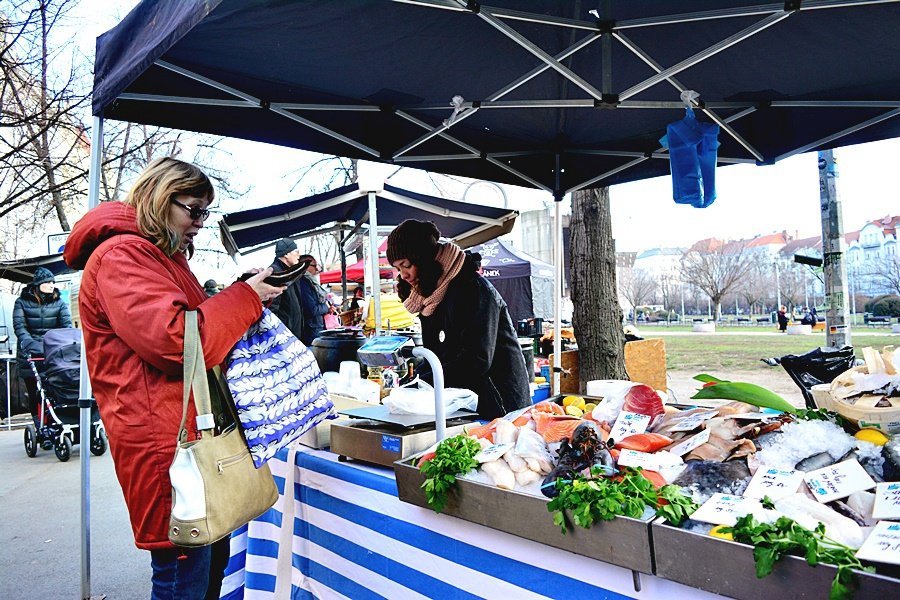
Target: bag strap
{"x":284,"y":563}
{"x":194,"y":377}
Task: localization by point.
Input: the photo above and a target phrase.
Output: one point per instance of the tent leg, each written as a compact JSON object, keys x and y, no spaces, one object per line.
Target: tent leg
{"x":837,"y":318}
{"x":85,"y":400}
{"x":373,"y":259}
{"x":558,"y":261}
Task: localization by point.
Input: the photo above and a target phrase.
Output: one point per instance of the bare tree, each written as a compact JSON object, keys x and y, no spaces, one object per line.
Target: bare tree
{"x":637,"y":287}
{"x":792,"y":279}
{"x":716,"y":270}
{"x":753,"y":289}
{"x":43,"y":146}
{"x":886,"y":273}
{"x":668,"y":287}
{"x":597,"y":318}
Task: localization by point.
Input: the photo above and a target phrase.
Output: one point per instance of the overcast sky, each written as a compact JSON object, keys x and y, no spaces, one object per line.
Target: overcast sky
{"x":751,"y":200}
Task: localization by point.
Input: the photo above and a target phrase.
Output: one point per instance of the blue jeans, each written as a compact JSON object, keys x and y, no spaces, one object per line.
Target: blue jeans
{"x":188,"y":573}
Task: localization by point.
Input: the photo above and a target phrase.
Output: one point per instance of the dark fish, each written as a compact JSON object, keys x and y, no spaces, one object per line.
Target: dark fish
{"x":891,"y":454}
{"x":816,"y":461}
{"x":866,"y":463}
{"x":712,"y":476}
{"x":844,"y":509}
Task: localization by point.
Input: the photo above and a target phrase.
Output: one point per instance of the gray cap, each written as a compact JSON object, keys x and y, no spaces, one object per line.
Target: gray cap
{"x":284,"y":246}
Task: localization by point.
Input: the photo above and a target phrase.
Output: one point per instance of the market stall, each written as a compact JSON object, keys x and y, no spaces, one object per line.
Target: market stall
{"x":525,"y":282}
{"x":353,"y":537}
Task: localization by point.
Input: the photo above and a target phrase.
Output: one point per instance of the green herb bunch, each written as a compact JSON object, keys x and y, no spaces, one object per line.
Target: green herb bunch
{"x":595,"y":498}
{"x":453,"y":456}
{"x":772,"y":541}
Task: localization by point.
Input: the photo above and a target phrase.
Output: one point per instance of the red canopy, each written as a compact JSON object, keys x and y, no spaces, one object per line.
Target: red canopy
{"x":356,"y":271}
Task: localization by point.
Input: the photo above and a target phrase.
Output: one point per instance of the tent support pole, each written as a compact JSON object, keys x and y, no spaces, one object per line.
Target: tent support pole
{"x":558,"y":262}
{"x":837,"y":317}
{"x":373,"y":259}
{"x":85,"y":393}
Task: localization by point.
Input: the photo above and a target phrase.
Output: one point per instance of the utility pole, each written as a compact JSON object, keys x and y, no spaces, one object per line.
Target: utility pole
{"x":836,"y":316}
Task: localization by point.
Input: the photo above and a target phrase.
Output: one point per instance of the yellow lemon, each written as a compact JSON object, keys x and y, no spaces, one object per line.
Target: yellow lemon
{"x":717,"y":532}
{"x":589,"y":407}
{"x":572,"y":401}
{"x":574,"y":411}
{"x":873,"y":436}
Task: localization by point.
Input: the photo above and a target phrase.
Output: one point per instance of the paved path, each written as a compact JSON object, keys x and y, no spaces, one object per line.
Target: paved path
{"x":40,"y":524}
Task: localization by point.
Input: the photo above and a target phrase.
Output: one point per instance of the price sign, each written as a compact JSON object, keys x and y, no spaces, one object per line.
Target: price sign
{"x":690,"y":443}
{"x":726,"y":509}
{"x":629,"y":423}
{"x":694,"y":421}
{"x":774,"y":483}
{"x":633,"y":458}
{"x":755,"y":416}
{"x":883,"y":544}
{"x":838,"y":481}
{"x":493,"y":452}
{"x":887,"y":501}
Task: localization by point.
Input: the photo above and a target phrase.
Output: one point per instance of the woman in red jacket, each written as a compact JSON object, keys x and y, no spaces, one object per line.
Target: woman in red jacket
{"x":134,"y":292}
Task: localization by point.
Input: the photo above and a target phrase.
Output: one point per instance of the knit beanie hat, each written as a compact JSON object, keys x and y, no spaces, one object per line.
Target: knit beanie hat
{"x":413,"y":240}
{"x":284,"y":246}
{"x":42,"y":275}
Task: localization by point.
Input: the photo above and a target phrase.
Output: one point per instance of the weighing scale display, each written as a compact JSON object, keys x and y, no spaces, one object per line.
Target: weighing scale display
{"x":384,"y":351}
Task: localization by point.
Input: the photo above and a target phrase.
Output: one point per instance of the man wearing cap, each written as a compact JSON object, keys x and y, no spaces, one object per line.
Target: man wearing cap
{"x":38,"y":309}
{"x":288,"y":306}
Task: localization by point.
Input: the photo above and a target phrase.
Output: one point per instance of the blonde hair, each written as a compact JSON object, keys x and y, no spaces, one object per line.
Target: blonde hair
{"x":152,"y":194}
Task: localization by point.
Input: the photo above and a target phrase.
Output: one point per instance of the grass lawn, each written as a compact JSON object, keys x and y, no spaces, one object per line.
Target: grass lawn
{"x":719,"y":352}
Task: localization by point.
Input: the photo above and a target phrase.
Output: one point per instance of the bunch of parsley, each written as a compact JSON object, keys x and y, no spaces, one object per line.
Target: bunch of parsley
{"x":452,"y":457}
{"x":591,"y":499}
{"x":772,"y":541}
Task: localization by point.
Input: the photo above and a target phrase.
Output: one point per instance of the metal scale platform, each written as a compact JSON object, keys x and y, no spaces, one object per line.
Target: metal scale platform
{"x":379,"y":437}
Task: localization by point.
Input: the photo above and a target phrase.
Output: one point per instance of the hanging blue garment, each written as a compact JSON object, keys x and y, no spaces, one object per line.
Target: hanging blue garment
{"x":693,"y":147}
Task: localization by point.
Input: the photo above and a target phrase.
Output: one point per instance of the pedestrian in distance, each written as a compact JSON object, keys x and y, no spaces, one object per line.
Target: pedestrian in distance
{"x":288,"y":306}
{"x":37,"y":310}
{"x":135,"y":291}
{"x":314,"y":301}
{"x":782,"y":319}
{"x":465,"y":321}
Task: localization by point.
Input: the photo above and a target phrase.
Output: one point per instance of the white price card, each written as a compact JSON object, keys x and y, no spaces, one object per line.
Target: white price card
{"x":756,"y":416}
{"x":726,"y":509}
{"x":887,"y":501}
{"x":774,"y":483}
{"x":634,"y":458}
{"x":838,"y":481}
{"x":883,"y":544}
{"x":629,"y":423}
{"x":493,"y":452}
{"x":689,"y":444}
{"x":694,"y":421}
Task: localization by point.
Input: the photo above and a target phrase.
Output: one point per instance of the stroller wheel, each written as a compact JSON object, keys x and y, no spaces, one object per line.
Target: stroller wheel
{"x":30,"y":441}
{"x":98,"y":443}
{"x":63,"y":448}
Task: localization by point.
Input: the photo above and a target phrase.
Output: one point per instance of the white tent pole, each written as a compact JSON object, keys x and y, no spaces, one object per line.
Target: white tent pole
{"x":85,"y":400}
{"x":373,"y":259}
{"x":558,"y":261}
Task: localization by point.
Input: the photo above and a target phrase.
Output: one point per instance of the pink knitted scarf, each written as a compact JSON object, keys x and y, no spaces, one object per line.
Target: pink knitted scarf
{"x":451,"y":258}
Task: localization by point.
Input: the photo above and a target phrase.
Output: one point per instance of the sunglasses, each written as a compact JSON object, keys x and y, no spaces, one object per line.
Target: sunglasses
{"x":195,"y":212}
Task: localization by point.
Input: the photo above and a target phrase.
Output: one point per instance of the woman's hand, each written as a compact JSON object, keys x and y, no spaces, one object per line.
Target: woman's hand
{"x":265,"y":291}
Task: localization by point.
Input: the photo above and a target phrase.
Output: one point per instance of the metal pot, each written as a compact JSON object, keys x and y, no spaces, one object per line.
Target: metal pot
{"x":336,"y":345}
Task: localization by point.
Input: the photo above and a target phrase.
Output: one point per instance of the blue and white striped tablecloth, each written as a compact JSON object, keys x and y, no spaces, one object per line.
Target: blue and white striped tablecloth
{"x":353,"y":538}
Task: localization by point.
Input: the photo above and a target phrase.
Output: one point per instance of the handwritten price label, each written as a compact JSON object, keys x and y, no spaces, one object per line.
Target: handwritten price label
{"x":694,"y":421}
{"x":838,"y":481}
{"x":690,"y":443}
{"x":883,"y":544}
{"x":725,"y":509}
{"x":887,"y":501}
{"x":774,"y":483}
{"x":633,"y":458}
{"x":629,"y":423}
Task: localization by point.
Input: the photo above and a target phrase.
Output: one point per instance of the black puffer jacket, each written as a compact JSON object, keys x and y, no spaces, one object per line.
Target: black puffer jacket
{"x":34,"y":314}
{"x":472,"y":334}
{"x":288,"y":306}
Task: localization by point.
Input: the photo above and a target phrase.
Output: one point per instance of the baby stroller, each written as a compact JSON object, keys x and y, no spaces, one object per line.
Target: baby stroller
{"x":58,"y":378}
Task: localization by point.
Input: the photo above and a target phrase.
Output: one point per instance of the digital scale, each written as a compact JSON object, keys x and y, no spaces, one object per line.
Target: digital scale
{"x":375,"y":435}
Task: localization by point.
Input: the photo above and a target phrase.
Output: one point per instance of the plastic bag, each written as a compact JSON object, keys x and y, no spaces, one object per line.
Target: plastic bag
{"x":821,"y":365}
{"x":693,"y":149}
{"x":408,"y":400}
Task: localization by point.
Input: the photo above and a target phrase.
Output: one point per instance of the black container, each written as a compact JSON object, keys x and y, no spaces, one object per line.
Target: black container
{"x":523,"y":328}
{"x":337,"y":345}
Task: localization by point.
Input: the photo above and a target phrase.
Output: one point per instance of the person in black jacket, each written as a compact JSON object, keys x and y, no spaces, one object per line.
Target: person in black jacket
{"x":288,"y":306}
{"x":38,"y":309}
{"x":313,"y":300}
{"x":464,"y":320}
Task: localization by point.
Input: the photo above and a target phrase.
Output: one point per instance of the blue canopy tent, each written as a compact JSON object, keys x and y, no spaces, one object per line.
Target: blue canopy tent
{"x":552,"y":94}
{"x":525,"y":282}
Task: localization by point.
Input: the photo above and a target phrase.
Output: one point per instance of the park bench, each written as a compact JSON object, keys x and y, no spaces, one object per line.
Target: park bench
{"x":743,"y":320}
{"x":872,"y":321}
{"x":763,"y":321}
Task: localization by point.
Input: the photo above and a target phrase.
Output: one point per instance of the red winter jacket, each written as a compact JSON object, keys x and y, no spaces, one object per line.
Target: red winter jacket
{"x":132,"y":302}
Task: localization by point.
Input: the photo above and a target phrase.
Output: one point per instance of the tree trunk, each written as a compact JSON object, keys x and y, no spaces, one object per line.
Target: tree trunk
{"x":597,"y":316}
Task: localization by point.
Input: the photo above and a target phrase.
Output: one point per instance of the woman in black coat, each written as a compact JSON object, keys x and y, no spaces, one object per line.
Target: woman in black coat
{"x":464,"y":320}
{"x":37,"y":310}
